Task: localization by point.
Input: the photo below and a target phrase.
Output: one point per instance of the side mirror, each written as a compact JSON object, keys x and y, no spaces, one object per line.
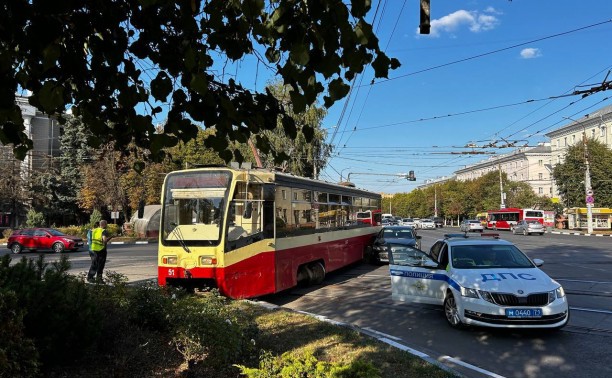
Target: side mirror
{"x":141,"y":206}
{"x":430,"y":264}
{"x":248,"y":210}
{"x":538,"y":262}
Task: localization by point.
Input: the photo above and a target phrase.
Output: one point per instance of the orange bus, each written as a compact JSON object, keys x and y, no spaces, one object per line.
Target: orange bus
{"x":251,"y":232}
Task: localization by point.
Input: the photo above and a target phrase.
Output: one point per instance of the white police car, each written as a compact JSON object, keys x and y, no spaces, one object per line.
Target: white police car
{"x":480,"y":281}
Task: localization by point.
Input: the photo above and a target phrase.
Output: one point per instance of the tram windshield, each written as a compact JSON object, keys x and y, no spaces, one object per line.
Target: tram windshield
{"x":193,"y":208}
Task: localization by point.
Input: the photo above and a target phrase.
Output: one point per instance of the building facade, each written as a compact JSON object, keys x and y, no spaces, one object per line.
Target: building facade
{"x":595,"y":126}
{"x":527,"y":164}
{"x":45,"y":133}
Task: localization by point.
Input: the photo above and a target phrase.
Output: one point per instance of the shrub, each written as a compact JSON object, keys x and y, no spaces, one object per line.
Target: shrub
{"x":6,"y":233}
{"x":113,"y":229}
{"x":35,"y":219}
{"x":61,"y":316}
{"x":207,"y":332}
{"x":18,"y":356}
{"x":95,"y":218}
{"x":290,"y":365}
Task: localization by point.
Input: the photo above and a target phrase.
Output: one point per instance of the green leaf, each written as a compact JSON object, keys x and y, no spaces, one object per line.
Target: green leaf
{"x":359,"y":8}
{"x":51,"y":97}
{"x":338,"y":89}
{"x":297,"y":101}
{"x":381,"y":65}
{"x":199,"y":83}
{"x":272,"y":55}
{"x":289,"y":127}
{"x":299,"y":54}
{"x":161,"y":86}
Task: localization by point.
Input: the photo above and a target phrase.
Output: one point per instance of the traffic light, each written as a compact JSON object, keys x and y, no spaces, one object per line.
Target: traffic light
{"x":410,"y":176}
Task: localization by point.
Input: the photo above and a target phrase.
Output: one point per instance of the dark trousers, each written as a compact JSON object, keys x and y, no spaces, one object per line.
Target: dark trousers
{"x":98,"y":260}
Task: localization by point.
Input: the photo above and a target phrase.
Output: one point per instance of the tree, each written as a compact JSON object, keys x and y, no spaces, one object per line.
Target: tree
{"x":306,"y":155}
{"x":569,"y":176}
{"x":119,"y":63}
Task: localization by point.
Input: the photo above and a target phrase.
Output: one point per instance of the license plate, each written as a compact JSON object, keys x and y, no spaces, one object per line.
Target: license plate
{"x":523,"y":313}
{"x":79,"y":244}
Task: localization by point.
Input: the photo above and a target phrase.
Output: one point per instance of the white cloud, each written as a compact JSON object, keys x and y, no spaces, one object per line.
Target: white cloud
{"x":474,"y":20}
{"x":530,"y":53}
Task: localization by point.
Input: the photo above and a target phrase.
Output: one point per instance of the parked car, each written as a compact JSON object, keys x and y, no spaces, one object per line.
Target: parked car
{"x":409,"y":222}
{"x":471,"y":225}
{"x":389,"y":239}
{"x":528,"y":227}
{"x":427,"y":223}
{"x":43,"y":239}
{"x":481,"y":282}
{"x":438,"y":221}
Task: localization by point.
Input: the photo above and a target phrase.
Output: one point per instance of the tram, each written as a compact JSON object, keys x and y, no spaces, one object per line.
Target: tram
{"x":252,"y":232}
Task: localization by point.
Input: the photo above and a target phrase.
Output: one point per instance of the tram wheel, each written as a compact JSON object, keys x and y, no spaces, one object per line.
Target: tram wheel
{"x":318,"y":273}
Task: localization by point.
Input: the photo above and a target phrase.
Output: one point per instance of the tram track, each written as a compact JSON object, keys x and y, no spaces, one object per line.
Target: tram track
{"x":369,"y":289}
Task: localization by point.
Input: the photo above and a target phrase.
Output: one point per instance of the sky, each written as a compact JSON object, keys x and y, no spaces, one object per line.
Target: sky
{"x":490,"y":71}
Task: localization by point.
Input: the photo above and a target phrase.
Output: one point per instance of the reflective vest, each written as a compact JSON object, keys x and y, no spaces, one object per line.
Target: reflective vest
{"x":97,"y":244}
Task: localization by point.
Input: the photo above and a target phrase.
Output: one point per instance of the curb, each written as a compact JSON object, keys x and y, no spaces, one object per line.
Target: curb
{"x":384,"y":338}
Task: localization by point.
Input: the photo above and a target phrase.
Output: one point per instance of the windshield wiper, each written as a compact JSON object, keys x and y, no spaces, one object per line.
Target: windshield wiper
{"x":179,"y":237}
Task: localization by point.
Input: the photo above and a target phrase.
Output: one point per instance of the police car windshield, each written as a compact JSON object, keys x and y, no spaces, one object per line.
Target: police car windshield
{"x":489,"y":256}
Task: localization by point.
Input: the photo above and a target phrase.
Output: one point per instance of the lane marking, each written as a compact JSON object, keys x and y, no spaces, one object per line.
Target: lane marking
{"x":608,"y":312}
{"x":470,"y":366}
{"x":584,"y":281}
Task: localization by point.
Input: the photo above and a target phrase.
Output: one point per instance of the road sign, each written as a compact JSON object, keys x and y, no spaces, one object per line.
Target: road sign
{"x":590,"y":199}
{"x":589,"y":192}
{"x":114,"y":215}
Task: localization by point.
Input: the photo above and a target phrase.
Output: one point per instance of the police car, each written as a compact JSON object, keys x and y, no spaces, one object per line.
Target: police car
{"x":482,"y":281}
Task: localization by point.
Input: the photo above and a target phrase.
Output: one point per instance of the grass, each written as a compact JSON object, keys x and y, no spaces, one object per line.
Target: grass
{"x":286,"y":331}
{"x":148,"y":354}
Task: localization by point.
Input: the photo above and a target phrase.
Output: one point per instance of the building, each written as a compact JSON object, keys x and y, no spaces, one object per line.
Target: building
{"x":527,"y":164}
{"x":595,"y":125}
{"x":45,"y":134}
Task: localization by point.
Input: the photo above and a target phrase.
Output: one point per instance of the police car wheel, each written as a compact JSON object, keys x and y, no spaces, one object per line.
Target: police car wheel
{"x":451,"y":312}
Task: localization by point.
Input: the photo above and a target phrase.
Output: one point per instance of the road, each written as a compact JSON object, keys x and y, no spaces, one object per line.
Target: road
{"x":360,"y":295}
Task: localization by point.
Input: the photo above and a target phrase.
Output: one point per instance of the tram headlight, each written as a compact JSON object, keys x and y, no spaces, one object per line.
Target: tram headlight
{"x":208,"y":260}
{"x":169,"y":260}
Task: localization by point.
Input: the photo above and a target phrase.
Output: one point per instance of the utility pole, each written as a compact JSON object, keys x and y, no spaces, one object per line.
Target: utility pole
{"x":435,"y":201}
{"x":588,"y":190}
{"x":502,"y":204}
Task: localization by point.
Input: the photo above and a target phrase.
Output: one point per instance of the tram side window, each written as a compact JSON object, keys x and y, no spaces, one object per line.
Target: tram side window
{"x":246,"y":213}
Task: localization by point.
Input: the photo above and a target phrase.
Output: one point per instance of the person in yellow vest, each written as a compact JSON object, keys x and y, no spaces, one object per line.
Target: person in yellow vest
{"x":97,"y":252}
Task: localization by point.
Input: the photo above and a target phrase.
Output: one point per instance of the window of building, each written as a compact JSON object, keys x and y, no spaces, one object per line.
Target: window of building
{"x":540,"y":176}
{"x":565,"y":142}
{"x":284,"y":194}
{"x":541,"y":190}
{"x":593,"y":134}
{"x":540,"y":162}
{"x":602,"y":131}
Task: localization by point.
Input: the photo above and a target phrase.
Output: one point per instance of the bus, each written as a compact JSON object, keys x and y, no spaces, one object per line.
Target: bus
{"x":506,"y":219}
{"x":252,"y":232}
{"x":483,"y":218}
{"x":371,"y":217}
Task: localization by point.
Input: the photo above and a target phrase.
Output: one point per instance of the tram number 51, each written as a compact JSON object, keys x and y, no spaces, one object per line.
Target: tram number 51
{"x":171,"y":272}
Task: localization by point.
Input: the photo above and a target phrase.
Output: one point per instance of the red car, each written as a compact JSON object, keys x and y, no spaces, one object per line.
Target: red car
{"x":43,"y":238}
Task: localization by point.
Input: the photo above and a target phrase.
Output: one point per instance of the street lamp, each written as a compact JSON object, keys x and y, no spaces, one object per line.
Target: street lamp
{"x":588,"y":189}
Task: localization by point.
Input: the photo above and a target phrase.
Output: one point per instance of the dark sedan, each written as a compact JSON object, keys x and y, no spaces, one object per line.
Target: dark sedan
{"x":388,"y":238}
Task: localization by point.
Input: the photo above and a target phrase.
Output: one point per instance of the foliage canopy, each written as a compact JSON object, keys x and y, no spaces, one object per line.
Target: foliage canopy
{"x":118,"y":64}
